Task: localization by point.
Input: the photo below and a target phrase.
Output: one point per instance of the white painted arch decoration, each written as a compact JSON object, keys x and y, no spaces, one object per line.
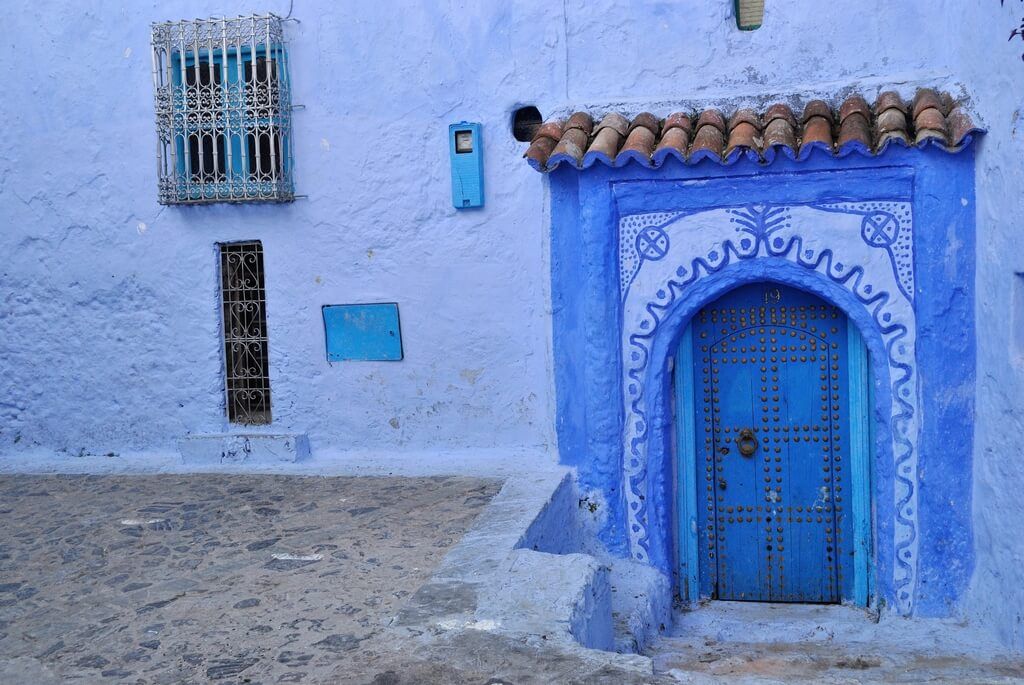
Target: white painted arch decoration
{"x":865,"y":247}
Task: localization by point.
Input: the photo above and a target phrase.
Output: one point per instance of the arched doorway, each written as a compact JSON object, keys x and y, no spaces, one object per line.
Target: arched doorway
{"x":774,"y":474}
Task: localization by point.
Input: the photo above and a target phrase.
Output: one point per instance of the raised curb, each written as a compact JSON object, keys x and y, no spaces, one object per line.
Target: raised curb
{"x":520,"y":579}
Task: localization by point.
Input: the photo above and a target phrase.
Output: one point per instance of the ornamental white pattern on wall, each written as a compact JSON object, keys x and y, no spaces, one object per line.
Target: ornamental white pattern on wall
{"x":865,"y":247}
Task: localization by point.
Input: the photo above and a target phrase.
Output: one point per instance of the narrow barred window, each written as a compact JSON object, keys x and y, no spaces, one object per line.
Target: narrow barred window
{"x":246,"y":362}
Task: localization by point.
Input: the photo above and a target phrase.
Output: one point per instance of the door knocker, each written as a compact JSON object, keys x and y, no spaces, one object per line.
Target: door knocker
{"x":747,"y":442}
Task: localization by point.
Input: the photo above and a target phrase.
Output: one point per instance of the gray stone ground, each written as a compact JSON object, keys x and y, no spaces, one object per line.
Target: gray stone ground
{"x":284,"y":579}
{"x":215,"y":578}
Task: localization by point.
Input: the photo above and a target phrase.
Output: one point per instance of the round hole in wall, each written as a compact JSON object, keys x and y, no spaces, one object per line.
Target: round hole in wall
{"x":525,"y":122}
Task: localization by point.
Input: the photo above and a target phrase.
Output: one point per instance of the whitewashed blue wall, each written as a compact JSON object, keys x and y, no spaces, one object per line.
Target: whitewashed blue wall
{"x":994,"y":71}
{"x":108,"y":303}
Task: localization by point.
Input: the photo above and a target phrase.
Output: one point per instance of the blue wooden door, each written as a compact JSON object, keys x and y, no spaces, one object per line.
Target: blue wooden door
{"x":772,"y":455}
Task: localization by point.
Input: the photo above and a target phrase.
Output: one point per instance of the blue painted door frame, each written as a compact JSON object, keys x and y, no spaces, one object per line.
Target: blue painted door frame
{"x":923,"y":557}
{"x":749,"y":574}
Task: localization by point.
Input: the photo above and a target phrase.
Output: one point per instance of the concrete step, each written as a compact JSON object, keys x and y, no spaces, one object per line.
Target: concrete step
{"x":641,"y":605}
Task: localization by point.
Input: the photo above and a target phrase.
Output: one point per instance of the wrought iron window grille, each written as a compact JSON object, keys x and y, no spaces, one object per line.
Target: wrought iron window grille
{"x":223,"y":111}
{"x":246,"y":357}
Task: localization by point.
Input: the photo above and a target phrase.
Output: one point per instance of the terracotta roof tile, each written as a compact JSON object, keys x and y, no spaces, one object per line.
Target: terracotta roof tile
{"x":711,"y":117}
{"x":549,"y":129}
{"x":575,"y":139}
{"x":779,"y":111}
{"x":544,"y":142}
{"x":931,"y":118}
{"x":608,"y":137}
{"x":817,"y":130}
{"x":678,"y":120}
{"x":743,"y":135}
{"x":778,"y":132}
{"x":948,"y":103}
{"x":573,"y":144}
{"x":855,"y":128}
{"x":708,"y":139}
{"x":816,"y":108}
{"x":646,"y":120}
{"x":745,"y":116}
{"x":891,"y":119}
{"x":675,"y":140}
{"x":890,"y":100}
{"x":924,"y":99}
{"x":582,"y":121}
{"x":614,"y":121}
{"x":960,"y":124}
{"x":639,"y":145}
{"x":540,"y":151}
{"x":925,"y":134}
{"x":891,"y":124}
{"x":854,"y":104}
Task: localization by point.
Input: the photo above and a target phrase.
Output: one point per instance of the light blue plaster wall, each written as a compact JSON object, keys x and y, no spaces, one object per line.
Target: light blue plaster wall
{"x":110,"y":325}
{"x":995,"y":71}
{"x":108,"y":309}
{"x":109,"y":322}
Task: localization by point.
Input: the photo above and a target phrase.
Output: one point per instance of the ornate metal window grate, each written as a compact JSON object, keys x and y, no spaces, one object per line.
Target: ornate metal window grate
{"x":246,"y":362}
{"x":223,"y":111}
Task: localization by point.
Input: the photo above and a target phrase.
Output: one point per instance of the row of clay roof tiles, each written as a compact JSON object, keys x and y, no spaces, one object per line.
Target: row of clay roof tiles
{"x":932,"y":118}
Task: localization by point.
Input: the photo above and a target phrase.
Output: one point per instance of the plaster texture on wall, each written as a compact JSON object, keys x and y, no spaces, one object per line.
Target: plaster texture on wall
{"x":110,"y":317}
{"x":993,"y":66}
{"x":109,"y":324}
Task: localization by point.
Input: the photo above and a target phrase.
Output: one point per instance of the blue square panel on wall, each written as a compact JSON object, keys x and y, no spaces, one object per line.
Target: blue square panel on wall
{"x":363,"y":332}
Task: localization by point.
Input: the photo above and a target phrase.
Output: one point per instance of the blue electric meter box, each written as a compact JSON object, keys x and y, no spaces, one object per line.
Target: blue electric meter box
{"x":467,"y":158}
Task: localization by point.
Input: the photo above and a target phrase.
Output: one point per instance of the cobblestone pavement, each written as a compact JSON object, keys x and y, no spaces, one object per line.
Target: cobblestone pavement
{"x":219,"y":578}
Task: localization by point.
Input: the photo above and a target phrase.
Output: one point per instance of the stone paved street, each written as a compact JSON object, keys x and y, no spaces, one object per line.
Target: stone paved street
{"x":229,"y":579}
